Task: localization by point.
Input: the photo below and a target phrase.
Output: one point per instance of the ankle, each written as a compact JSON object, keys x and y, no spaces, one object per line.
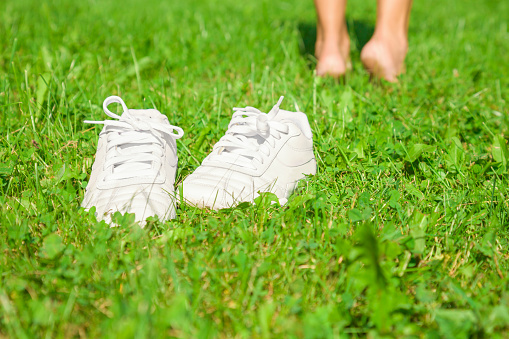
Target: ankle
{"x":392,"y":35}
{"x":396,"y":42}
{"x":330,"y":49}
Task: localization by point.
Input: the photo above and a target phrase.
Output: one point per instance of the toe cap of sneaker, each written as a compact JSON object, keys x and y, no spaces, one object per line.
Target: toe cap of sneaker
{"x":205,"y":196}
{"x":143,"y":203}
{"x":216,"y":188}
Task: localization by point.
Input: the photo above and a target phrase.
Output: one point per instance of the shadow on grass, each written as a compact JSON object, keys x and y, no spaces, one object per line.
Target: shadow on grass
{"x":360,"y":32}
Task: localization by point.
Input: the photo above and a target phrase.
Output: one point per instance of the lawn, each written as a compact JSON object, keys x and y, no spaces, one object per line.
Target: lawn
{"x":403,"y":232}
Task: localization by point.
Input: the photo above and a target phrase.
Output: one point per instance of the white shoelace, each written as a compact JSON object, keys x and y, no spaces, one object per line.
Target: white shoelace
{"x":134,"y":147}
{"x":251,"y":135}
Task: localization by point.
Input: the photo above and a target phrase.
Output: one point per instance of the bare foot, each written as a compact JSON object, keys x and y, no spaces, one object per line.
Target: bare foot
{"x":333,"y":58}
{"x":331,"y":64}
{"x":384,"y":57}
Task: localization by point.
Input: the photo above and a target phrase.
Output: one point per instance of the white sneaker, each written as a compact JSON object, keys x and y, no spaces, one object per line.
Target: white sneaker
{"x":259,"y":153}
{"x":135,"y":165}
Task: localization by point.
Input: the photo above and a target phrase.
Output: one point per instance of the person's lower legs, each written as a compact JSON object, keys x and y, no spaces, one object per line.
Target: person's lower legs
{"x":384,"y":54}
{"x":332,"y":43}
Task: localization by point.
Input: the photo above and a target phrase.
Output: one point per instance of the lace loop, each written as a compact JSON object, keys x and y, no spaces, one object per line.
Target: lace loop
{"x":110,"y":100}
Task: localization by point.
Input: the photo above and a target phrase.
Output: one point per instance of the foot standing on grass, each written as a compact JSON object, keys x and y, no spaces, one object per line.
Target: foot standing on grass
{"x":383,"y":56}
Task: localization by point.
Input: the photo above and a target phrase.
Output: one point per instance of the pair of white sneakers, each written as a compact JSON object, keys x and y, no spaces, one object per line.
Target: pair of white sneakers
{"x":136,"y":162}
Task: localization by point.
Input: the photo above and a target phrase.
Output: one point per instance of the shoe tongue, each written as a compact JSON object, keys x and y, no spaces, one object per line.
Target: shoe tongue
{"x":282,"y":115}
{"x":287,"y":116}
{"x":148,"y":114}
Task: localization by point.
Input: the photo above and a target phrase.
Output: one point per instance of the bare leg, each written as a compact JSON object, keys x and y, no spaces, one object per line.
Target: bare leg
{"x":332,"y":43}
{"x":384,"y":55}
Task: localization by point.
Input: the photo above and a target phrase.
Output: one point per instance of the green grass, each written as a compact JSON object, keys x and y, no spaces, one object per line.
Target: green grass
{"x":403,"y":231}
